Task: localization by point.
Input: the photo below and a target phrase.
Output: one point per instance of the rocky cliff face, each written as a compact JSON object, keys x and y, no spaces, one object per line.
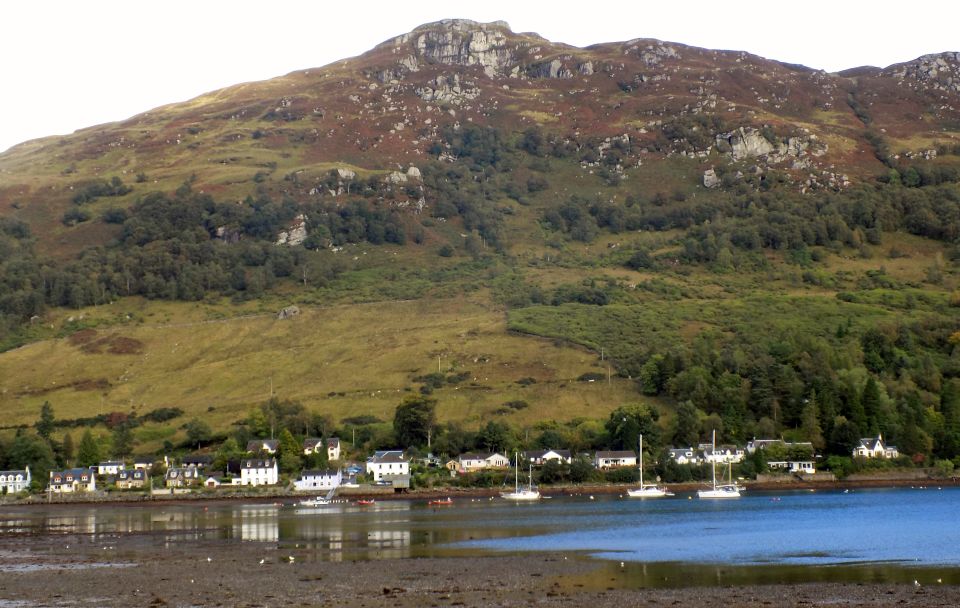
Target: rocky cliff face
{"x":939,"y":72}
{"x":460,"y":42}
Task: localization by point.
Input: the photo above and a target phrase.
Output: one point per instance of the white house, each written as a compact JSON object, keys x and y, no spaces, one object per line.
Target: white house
{"x":875,"y":448}
{"x":259,"y":472}
{"x":614,"y":459}
{"x":318,"y":480}
{"x":485,"y":460}
{"x":684,"y":456}
{"x":110,"y":467}
{"x":333,"y":448}
{"x":267,"y":446}
{"x":72,"y":480}
{"x":143,"y":464}
{"x":761,"y":444}
{"x":387,"y":463}
{"x":540,"y":457}
{"x":793,"y":466}
{"x":312,"y":445}
{"x":722,"y":454}
{"x":12,"y":482}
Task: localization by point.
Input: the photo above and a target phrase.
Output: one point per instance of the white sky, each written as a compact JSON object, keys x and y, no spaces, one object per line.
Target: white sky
{"x":69,"y":64}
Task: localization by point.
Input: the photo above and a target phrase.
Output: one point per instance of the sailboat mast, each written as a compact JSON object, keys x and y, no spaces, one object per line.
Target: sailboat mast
{"x":641,"y":461}
{"x":713,"y":457}
{"x":516,"y":474}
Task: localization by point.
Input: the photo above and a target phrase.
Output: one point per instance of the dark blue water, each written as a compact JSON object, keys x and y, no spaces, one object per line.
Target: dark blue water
{"x":906,"y":526}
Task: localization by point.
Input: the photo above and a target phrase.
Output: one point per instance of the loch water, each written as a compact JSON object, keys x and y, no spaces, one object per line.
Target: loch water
{"x":889,"y":535}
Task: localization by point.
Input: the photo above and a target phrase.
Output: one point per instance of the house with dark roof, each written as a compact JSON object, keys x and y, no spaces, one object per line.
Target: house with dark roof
{"x":684,"y":456}
{"x":873,"y":447}
{"x":472,"y":461}
{"x":387,"y":463}
{"x":110,"y":467}
{"x":540,"y":457}
{"x":312,"y":445}
{"x":613,"y":459}
{"x":315,"y":479}
{"x":72,"y":480}
{"x":197,"y":460}
{"x":132,"y":478}
{"x":259,"y":472}
{"x":721,"y":454}
{"x":12,"y":482}
{"x":263,"y":446}
{"x":181,"y":477}
{"x":333,"y":448}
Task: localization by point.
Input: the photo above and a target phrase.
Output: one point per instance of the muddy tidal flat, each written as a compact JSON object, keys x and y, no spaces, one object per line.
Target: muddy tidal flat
{"x":50,"y":574}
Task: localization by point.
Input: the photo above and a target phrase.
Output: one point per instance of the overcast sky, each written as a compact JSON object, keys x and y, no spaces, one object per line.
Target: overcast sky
{"x":65,"y":65}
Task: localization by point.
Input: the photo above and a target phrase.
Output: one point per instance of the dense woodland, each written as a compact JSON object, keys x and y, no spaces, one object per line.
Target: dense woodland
{"x":829,"y":380}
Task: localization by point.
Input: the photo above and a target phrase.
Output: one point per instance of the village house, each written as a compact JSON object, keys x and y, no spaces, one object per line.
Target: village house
{"x":72,"y":480}
{"x":259,"y":472}
{"x":263,"y":446}
{"x":333,"y":449}
{"x":761,"y":444}
{"x":540,"y":457}
{"x":387,"y":464}
{"x":181,"y":477}
{"x":684,"y":456}
{"x":12,"y":482}
{"x":475,"y":462}
{"x":197,"y":460}
{"x":144,"y":463}
{"x":132,"y":478}
{"x":805,"y":467}
{"x":110,"y":467}
{"x":722,"y":454}
{"x":614,"y":459}
{"x":318,"y":480}
{"x":216,"y":479}
{"x":875,"y":448}
{"x":312,"y":445}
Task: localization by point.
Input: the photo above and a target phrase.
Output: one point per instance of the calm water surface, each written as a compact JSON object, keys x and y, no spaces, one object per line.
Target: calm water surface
{"x":875,"y":535}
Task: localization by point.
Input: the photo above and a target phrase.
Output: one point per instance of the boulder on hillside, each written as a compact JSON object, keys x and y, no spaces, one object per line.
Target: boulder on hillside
{"x":288,"y":312}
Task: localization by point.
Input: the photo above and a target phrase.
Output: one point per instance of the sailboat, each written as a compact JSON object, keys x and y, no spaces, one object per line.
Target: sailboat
{"x":728,"y":490}
{"x":647,"y":490}
{"x":319,"y":501}
{"x":528,"y":493}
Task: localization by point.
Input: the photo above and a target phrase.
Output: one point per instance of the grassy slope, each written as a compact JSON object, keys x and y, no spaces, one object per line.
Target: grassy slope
{"x":365,"y":353}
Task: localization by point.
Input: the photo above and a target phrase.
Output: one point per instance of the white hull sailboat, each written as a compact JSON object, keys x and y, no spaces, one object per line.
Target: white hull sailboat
{"x":727,"y":490}
{"x":647,"y":490}
{"x":319,"y":501}
{"x":518,"y":494}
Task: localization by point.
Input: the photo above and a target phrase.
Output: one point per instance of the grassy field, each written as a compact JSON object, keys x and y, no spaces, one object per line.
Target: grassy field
{"x":342,"y":361}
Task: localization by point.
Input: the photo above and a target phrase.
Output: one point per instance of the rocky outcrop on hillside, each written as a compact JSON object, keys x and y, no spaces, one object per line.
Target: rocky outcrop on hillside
{"x":460,"y":42}
{"x":939,"y":71}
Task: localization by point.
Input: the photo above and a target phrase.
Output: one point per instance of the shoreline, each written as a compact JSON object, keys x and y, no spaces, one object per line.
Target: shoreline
{"x":283,"y":496}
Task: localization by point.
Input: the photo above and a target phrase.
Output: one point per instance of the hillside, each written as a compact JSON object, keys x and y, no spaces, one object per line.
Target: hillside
{"x":638,"y":221}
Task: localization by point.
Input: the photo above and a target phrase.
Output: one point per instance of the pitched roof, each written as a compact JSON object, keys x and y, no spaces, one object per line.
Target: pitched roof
{"x":388,"y":456}
{"x":616,"y":454}
{"x":312,"y":442}
{"x":197,"y":459}
{"x":259,"y":463}
{"x":539,"y":454}
{"x":256,"y":445}
{"x":319,"y":473}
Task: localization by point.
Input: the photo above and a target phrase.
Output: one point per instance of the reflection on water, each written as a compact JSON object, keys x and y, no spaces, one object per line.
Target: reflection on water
{"x":763,"y":537}
{"x":671,"y":574}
